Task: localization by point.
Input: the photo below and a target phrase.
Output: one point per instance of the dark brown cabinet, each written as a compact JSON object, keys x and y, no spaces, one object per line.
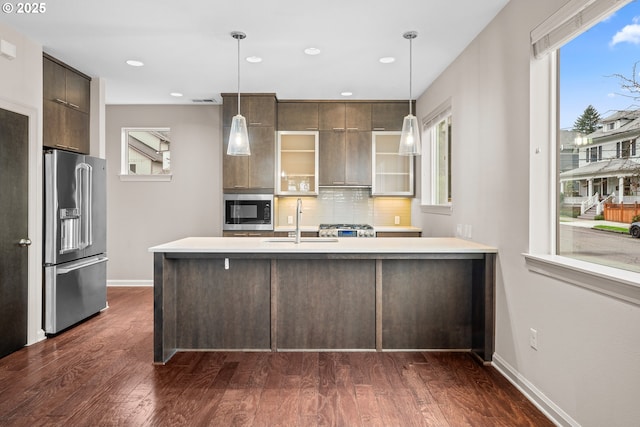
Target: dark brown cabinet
{"x":344,"y":158}
{"x":389,"y":115}
{"x":344,"y":116}
{"x":66,"y":100}
{"x":345,"y":143}
{"x":257,"y":170}
{"x":258,"y":109}
{"x":298,"y":116}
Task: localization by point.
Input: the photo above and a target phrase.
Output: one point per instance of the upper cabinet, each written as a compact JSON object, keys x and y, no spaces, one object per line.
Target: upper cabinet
{"x":345,"y":144}
{"x":298,"y":116}
{"x":392,"y":173}
{"x":388,"y":116}
{"x":66,"y":100}
{"x":297,"y":163}
{"x":254,"y":172}
{"x":258,"y":109}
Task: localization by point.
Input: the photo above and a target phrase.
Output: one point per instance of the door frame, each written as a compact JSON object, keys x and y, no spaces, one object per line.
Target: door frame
{"x":35,"y":332}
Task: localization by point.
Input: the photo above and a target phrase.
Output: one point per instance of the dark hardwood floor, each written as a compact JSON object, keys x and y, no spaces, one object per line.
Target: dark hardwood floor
{"x":100,"y":373}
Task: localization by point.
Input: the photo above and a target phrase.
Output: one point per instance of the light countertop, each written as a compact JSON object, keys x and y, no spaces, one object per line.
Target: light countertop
{"x":345,"y":245}
{"x":385,"y":228}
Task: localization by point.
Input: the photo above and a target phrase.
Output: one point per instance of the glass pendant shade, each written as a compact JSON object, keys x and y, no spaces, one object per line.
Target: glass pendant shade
{"x":410,"y":137}
{"x":238,"y":138}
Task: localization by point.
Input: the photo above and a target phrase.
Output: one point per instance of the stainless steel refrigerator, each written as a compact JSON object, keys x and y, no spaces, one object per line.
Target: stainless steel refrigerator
{"x":75,"y":238}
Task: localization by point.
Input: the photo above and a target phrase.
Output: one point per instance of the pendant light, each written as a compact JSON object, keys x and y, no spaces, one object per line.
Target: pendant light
{"x":238,"y":137}
{"x":410,"y":137}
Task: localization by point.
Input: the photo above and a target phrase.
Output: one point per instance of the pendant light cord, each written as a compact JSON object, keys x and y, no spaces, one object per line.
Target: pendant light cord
{"x":410,"y":73}
{"x":238,"y":75}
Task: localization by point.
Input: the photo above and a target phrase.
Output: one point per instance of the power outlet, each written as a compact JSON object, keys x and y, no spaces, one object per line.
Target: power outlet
{"x":459,"y":230}
{"x":396,"y":220}
{"x":290,"y":219}
{"x":533,"y":338}
{"x":467,"y":231}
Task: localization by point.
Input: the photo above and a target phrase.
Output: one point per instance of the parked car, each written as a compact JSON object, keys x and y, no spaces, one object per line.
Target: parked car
{"x":634,"y":229}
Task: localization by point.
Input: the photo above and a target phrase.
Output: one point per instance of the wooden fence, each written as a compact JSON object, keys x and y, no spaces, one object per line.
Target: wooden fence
{"x":621,"y":212}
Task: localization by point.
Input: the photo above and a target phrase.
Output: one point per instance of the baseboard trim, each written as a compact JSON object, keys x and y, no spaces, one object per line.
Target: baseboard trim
{"x":531,"y":392}
{"x":116,"y":283}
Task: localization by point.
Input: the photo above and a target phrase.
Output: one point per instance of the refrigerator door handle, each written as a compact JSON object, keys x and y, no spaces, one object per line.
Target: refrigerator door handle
{"x":84,"y":195}
{"x":82,"y":264}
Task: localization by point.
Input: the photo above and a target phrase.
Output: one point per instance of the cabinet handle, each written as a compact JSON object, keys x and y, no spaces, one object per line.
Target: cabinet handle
{"x":378,"y":128}
{"x":61,"y":146}
{"x":61,"y":101}
{"x":73,"y":105}
{"x":240,"y":186}
{"x":255,"y":124}
{"x":312,"y":128}
{"x":255,"y":234}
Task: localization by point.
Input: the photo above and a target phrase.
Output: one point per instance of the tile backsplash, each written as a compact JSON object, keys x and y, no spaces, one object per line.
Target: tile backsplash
{"x":345,"y":206}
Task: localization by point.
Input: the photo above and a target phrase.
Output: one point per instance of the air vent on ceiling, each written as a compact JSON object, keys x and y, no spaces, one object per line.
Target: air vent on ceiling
{"x":205,"y":101}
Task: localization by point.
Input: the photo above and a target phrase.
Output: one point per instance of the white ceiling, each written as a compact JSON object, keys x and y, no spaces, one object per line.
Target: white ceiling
{"x":187,"y":47}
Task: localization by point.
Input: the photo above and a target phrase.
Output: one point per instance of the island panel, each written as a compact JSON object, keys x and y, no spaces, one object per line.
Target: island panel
{"x":219,"y":308}
{"x":426,"y":305}
{"x":326,"y":304}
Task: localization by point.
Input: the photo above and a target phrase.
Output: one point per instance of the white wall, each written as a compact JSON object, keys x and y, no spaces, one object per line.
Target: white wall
{"x":588,"y":360}
{"x":21,"y":91}
{"x":144,"y":214}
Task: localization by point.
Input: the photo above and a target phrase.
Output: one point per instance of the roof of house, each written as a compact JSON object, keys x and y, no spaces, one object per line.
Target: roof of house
{"x":632,"y":125}
{"x":603,"y":169}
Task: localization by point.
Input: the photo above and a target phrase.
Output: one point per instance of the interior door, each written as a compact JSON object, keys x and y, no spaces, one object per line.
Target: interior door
{"x":14,"y":171}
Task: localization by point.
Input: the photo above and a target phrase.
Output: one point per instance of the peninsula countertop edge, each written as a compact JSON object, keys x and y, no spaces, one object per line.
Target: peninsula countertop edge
{"x":345,"y":245}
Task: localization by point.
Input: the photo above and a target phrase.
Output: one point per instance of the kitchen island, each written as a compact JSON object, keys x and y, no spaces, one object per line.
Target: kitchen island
{"x":351,"y":294}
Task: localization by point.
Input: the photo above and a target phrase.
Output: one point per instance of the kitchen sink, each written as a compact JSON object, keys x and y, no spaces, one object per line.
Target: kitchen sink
{"x":302,"y":240}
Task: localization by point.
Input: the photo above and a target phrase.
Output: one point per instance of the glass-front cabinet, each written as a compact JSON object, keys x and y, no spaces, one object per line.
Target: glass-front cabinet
{"x":392,"y":173}
{"x":297,"y":163}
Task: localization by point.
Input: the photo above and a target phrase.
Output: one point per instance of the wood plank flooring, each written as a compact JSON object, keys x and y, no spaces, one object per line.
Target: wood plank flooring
{"x":100,"y":373}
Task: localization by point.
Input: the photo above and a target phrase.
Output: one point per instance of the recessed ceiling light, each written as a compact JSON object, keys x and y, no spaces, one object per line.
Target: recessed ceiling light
{"x":135,"y":63}
{"x":346,"y":93}
{"x":387,"y":59}
{"x":312,"y":51}
{"x":254,"y":59}
{"x":176,"y":94}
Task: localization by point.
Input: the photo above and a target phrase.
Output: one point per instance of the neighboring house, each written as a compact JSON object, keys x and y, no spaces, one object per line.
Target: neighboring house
{"x":148,"y":152}
{"x":608,"y":163}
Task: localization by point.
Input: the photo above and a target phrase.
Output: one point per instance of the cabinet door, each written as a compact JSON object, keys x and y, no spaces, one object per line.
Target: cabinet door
{"x":261,"y":161}
{"x":388,"y":115}
{"x":78,"y":91}
{"x":331,"y":116}
{"x":358,"y":116}
{"x":298,"y":116}
{"x":358,"y":158}
{"x":54,"y":122}
{"x":331,"y":158}
{"x":77,"y":130}
{"x":54,"y":81}
{"x":235,"y":169}
{"x":260,"y":110}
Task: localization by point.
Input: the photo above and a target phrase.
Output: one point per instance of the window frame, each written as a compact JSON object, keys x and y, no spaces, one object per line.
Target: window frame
{"x":429,"y":165}
{"x":124,"y":157}
{"x":544,"y":143}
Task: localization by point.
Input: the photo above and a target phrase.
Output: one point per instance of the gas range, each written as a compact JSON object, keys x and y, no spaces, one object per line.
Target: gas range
{"x":346,"y":230}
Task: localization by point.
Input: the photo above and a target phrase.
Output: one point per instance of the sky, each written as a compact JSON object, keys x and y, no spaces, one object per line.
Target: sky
{"x":588,"y":63}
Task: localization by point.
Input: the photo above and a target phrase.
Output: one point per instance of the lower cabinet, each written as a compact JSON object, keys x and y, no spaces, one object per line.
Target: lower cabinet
{"x":398,"y":234}
{"x":247,"y":234}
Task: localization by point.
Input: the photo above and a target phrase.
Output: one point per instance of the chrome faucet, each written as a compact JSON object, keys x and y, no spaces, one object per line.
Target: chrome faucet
{"x":298,"y":213}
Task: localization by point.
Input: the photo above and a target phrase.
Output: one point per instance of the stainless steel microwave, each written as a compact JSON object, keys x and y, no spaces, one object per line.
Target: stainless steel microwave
{"x":248,"y":212}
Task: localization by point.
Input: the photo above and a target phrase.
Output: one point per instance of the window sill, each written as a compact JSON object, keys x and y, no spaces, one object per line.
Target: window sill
{"x":146,"y":178}
{"x":437,"y":209}
{"x":620,"y":284}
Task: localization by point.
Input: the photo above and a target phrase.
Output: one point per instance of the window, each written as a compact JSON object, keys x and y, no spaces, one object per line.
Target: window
{"x":603,"y":193}
{"x":546,"y":198}
{"x":436,"y":160}
{"x":146,"y":154}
